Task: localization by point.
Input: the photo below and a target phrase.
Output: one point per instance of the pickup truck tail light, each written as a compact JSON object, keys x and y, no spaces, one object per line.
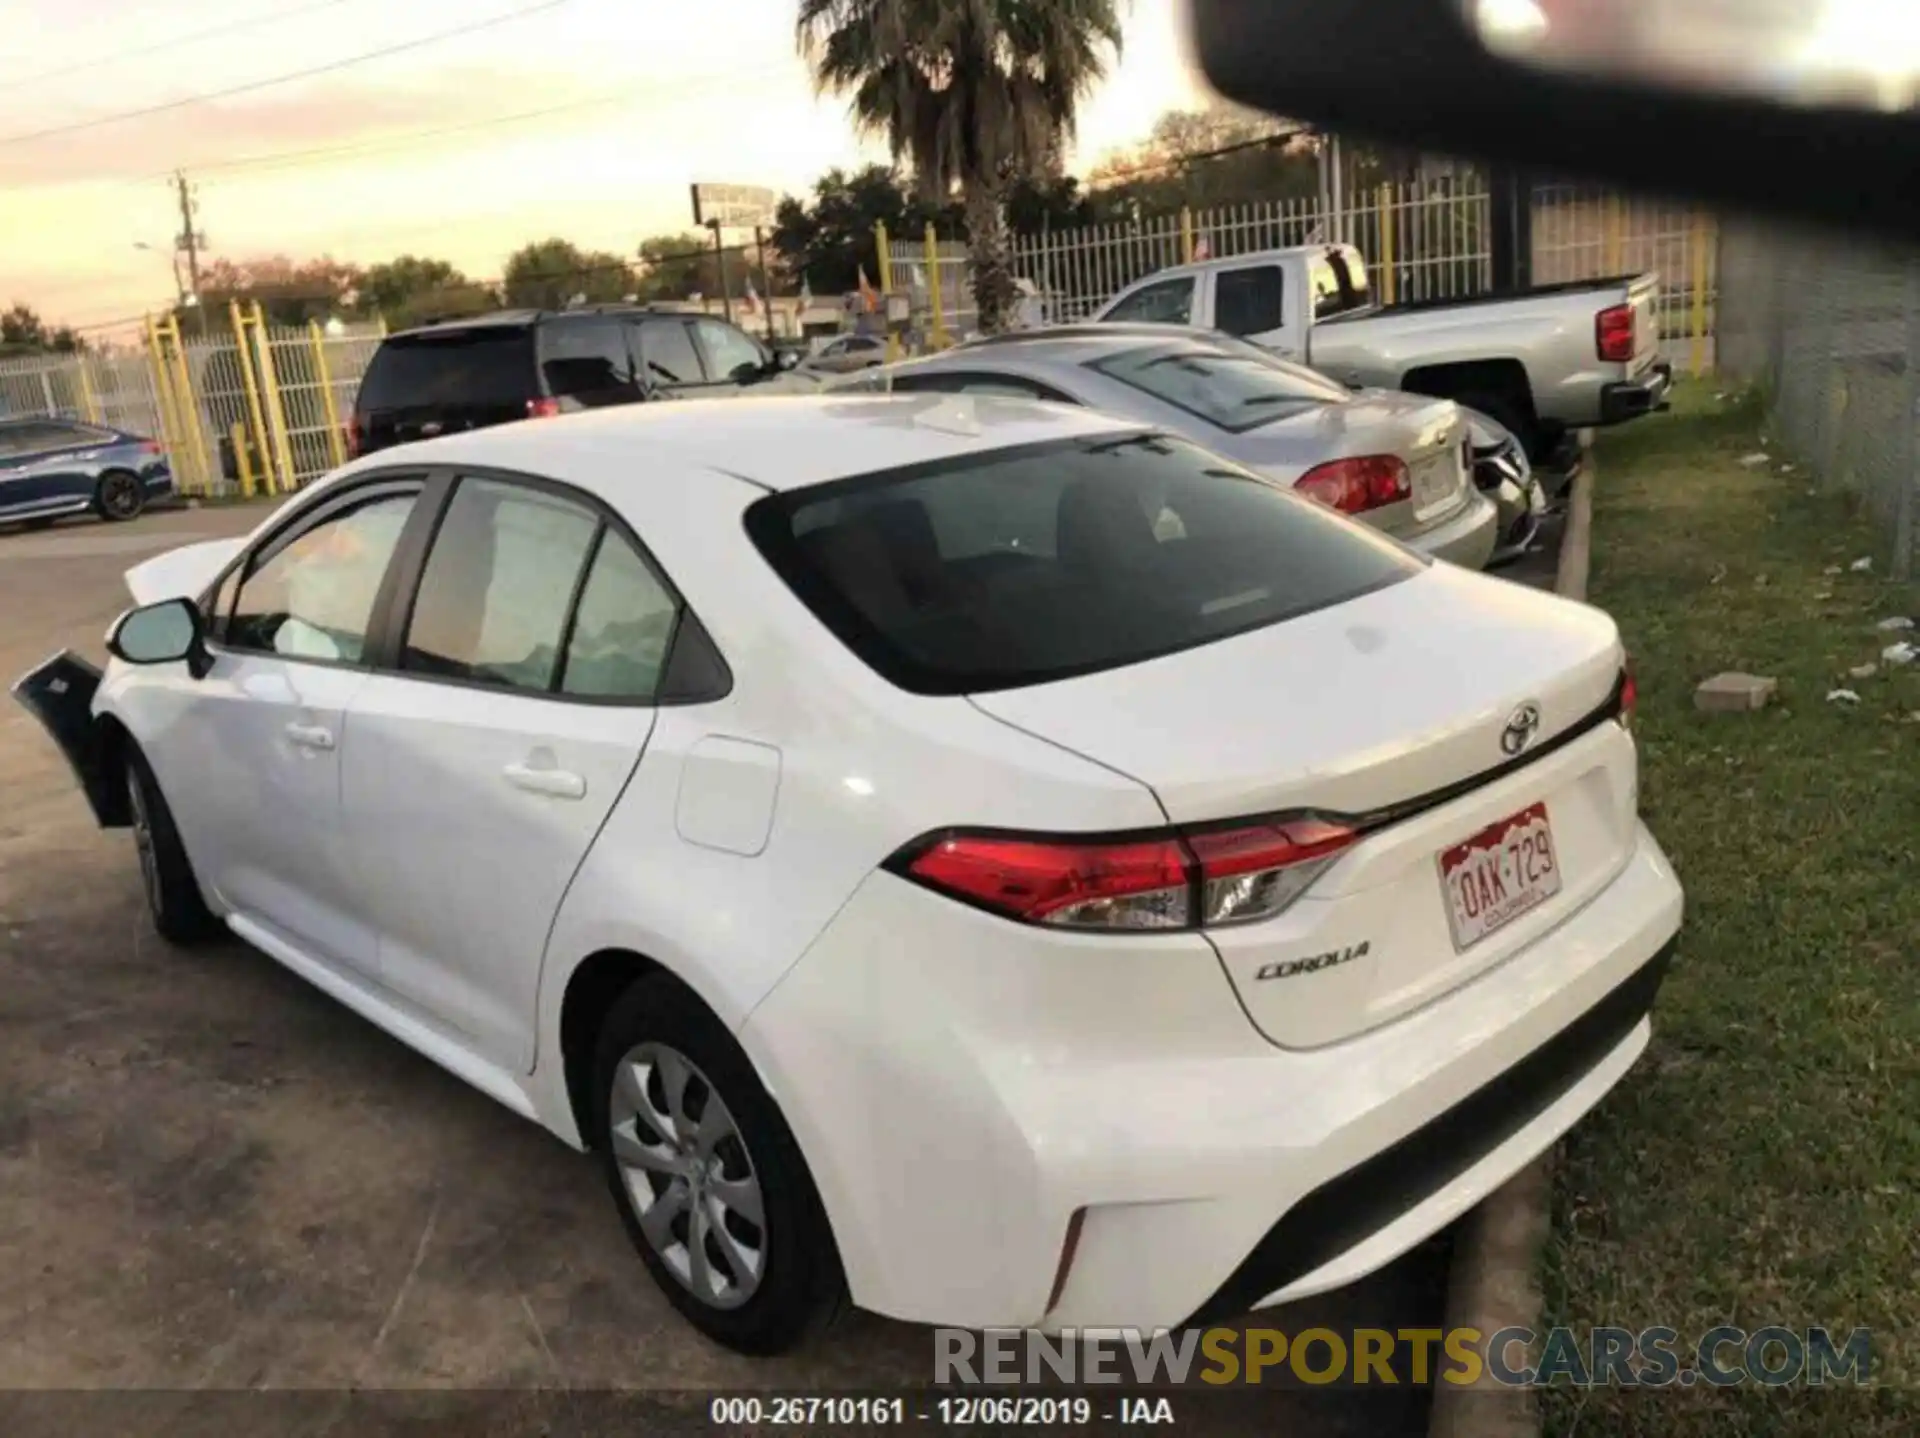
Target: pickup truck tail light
{"x":353,"y":436}
{"x":1629,"y":694}
{"x":1354,"y":486}
{"x":545,"y":407}
{"x":1251,"y":869}
{"x":1613,"y":334}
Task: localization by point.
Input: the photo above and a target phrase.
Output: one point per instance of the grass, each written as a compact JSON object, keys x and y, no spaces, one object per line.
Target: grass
{"x":1761,"y":1165}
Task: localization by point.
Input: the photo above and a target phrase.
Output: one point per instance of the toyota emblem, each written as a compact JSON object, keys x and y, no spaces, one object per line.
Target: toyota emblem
{"x":1521,"y":729}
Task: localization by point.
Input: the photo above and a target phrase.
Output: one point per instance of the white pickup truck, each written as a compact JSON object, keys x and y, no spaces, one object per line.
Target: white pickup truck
{"x":1542,"y":362}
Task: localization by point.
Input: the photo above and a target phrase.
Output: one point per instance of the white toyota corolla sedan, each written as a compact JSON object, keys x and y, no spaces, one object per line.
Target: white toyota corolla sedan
{"x":962,"y":855}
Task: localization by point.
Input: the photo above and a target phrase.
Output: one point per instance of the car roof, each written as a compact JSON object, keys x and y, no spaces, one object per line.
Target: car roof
{"x":1069,"y":344}
{"x":777,"y":442}
{"x":519,"y":318}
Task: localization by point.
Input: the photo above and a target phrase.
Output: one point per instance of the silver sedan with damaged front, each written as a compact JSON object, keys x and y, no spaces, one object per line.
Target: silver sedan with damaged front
{"x":1400,"y":463}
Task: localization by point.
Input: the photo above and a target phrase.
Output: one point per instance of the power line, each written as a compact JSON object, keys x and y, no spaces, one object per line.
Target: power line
{"x":306,"y":74}
{"x":176,"y":43}
{"x":1260,"y":142}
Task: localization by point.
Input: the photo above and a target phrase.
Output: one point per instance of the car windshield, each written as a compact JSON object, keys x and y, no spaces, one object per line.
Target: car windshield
{"x":480,"y":365}
{"x":1047,"y":561}
{"x":1233,"y":390}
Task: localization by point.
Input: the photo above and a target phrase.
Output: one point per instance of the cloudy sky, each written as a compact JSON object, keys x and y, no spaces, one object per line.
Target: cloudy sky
{"x":587,"y":118}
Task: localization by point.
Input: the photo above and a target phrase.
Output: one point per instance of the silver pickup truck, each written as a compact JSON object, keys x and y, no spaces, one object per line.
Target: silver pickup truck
{"x":1552,"y":359}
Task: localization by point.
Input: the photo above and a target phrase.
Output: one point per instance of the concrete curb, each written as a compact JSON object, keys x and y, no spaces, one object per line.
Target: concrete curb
{"x":1496,"y":1248}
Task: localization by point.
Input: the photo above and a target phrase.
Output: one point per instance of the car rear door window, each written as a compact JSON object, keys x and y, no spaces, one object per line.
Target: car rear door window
{"x":40,"y":437}
{"x":465,"y":367}
{"x":1040,"y":562}
{"x":1166,"y":302}
{"x":498,"y":585}
{"x":622,"y":628}
{"x":312,"y":596}
{"x":731,"y":354}
{"x":667,"y":355}
{"x":1247,"y":301}
{"x":587,"y":360}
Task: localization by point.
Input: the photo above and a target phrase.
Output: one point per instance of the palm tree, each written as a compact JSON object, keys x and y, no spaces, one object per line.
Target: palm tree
{"x":975,"y":93}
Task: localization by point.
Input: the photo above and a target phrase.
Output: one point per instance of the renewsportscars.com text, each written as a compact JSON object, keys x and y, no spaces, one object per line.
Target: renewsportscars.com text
{"x":1771,"y":1356}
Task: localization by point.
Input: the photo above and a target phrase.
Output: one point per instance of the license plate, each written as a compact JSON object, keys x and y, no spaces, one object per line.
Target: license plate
{"x":1434,"y":482}
{"x":1499,"y":874}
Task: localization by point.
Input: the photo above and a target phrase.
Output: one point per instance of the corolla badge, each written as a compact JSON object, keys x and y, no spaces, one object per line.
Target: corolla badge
{"x":1522,"y":729}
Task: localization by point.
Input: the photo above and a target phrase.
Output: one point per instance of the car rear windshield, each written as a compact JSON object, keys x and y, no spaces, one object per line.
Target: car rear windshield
{"x":1047,"y":561}
{"x":1229,"y":389}
{"x":482,"y":365}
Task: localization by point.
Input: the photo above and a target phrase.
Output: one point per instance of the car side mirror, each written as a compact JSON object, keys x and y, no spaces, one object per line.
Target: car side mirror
{"x":785,"y":359}
{"x":162,"y":633}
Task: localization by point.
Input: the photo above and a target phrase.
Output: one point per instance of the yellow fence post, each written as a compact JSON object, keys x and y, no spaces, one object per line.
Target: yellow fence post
{"x":241,"y":461}
{"x":939,"y":326}
{"x":336,"y":442}
{"x":1701,"y":239}
{"x":886,"y":286}
{"x":1186,"y":234}
{"x":1616,"y":235}
{"x":253,"y":399}
{"x":162,"y":389}
{"x":1384,"y":259}
{"x":276,"y":408}
{"x":89,"y":406}
{"x":200,"y":471}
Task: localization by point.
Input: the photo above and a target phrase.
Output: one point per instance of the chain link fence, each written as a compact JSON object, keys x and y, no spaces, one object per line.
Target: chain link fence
{"x":1830,"y":330}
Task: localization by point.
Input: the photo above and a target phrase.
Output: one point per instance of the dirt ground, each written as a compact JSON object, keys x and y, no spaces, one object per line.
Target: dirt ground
{"x":212,"y":1178}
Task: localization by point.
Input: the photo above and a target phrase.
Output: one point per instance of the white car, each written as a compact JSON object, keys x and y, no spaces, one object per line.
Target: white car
{"x":961,"y":854}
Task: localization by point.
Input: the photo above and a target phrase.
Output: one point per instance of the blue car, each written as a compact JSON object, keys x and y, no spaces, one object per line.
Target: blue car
{"x":53,"y":467}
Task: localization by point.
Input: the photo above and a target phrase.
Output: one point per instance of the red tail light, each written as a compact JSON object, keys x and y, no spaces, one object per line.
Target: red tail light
{"x":1227,"y":875}
{"x":544,"y":408}
{"x":152,"y":446}
{"x":353,"y":436}
{"x":1629,"y":695}
{"x":1613,"y":334}
{"x":1354,"y":486}
{"x":1136,"y":884}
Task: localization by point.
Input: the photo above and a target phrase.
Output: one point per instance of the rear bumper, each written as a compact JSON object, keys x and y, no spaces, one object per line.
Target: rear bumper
{"x":960,"y":1097}
{"x":1632,"y":398}
{"x":1468,"y":538}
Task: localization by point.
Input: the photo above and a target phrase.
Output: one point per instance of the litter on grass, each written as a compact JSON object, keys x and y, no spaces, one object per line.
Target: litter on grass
{"x":1842,"y":696}
{"x":1754,"y":460}
{"x":1899,"y":621}
{"x":1902,"y":653}
{"x":1862,"y":671}
{"x":1862,"y":565}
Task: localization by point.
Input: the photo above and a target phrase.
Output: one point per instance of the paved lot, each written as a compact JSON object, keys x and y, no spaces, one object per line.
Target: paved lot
{"x":213,"y":1178}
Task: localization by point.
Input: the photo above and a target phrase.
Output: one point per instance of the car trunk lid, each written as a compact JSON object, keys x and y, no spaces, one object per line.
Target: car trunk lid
{"x":1396,"y":712}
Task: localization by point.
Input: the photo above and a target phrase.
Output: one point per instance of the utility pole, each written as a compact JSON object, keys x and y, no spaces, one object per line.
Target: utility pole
{"x":190,"y":242}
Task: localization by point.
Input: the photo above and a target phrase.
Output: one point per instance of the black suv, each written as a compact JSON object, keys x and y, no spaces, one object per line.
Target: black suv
{"x":521,"y":364}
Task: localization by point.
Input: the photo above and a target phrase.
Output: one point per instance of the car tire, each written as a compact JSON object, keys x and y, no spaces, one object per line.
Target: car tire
{"x":768,"y":1285}
{"x":179,"y":912}
{"x":119,"y":496}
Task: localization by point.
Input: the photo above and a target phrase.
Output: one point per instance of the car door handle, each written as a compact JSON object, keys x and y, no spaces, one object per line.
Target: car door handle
{"x":310,"y":736}
{"x":556,"y":783}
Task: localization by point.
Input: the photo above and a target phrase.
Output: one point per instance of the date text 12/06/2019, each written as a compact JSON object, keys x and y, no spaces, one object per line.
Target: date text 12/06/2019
{"x":956,"y":1410}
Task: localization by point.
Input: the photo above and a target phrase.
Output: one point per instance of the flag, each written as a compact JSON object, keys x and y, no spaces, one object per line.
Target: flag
{"x":1201,"y":249}
{"x":751,"y":302}
{"x":868,"y":301}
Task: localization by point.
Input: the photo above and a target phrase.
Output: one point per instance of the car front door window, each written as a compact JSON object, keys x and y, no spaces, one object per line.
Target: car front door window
{"x":1166,"y":302}
{"x":732,"y":356}
{"x":313,"y":596}
{"x":587,"y":361}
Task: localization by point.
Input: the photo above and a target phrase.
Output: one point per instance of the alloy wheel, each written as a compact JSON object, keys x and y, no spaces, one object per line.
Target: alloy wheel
{"x":687,"y":1170}
{"x":120,"y":496}
{"x":143,"y":841}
